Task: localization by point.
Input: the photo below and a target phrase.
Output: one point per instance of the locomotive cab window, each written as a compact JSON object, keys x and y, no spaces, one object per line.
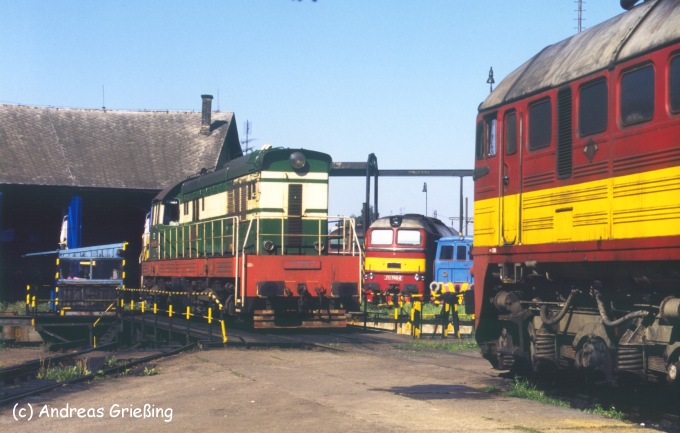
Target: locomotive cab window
{"x":171,"y":212}
{"x":486,"y":137}
{"x":592,"y":108}
{"x":408,"y":237}
{"x":446,"y":252}
{"x":540,"y":124}
{"x":674,"y":84}
{"x":381,"y":237}
{"x":637,"y":96}
{"x":461,"y":252}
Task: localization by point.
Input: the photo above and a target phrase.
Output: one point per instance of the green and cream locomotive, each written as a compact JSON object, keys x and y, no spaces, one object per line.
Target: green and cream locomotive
{"x":254,"y":234}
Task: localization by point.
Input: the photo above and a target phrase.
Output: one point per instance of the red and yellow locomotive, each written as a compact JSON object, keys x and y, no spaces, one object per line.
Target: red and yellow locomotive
{"x":400,"y":253}
{"x":577,"y":204}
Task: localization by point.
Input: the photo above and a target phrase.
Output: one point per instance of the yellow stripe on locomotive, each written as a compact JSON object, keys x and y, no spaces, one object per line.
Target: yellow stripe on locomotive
{"x":613,"y":208}
{"x":389,"y":265}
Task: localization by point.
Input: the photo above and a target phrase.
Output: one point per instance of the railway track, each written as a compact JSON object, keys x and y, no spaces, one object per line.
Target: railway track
{"x":22,"y":371}
{"x":32,"y":386}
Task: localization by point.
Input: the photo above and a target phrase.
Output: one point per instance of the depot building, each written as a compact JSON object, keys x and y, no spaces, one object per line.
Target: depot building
{"x":98,"y":170}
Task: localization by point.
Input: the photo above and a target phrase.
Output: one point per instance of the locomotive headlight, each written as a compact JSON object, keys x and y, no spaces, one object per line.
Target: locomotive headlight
{"x":269,"y":246}
{"x":369,"y":276}
{"x":417,"y":277}
{"x":297,"y":160}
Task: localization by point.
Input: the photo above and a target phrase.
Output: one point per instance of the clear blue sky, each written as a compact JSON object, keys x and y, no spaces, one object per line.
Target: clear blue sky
{"x":398,"y":78}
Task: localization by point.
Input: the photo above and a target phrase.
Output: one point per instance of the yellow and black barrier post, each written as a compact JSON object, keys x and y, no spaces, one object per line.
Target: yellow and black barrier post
{"x":446,"y":309}
{"x":416,"y":319}
{"x":188,"y":316}
{"x":170,"y":322}
{"x":28,"y":299}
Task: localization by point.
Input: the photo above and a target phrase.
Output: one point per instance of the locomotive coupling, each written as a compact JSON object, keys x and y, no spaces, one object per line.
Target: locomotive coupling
{"x":669,"y":310}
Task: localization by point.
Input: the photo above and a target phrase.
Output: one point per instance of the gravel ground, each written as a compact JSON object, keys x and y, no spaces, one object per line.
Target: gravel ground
{"x":371,"y":389}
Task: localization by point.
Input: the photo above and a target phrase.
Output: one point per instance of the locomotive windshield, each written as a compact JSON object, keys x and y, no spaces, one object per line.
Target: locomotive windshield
{"x":381,"y":237}
{"x":408,"y":237}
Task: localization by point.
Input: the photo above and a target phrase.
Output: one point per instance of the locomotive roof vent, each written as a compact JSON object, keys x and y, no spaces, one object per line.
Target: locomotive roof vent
{"x":205,"y":114}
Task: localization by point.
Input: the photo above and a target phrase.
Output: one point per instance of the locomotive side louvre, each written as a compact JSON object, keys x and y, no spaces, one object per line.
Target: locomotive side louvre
{"x":255,"y":234}
{"x":577,"y":204}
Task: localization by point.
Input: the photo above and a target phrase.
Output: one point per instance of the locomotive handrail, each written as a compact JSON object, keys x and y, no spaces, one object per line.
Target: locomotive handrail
{"x":219,"y":237}
{"x":222,"y":237}
{"x":155,"y":308}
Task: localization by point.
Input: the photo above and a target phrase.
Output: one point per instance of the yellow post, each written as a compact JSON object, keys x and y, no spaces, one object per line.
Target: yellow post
{"x":447,"y":307}
{"x":94,"y":339}
{"x":28,"y":294}
{"x":188,"y":314}
{"x":143,"y":304}
{"x":209,"y":315}
{"x":155,"y":308}
{"x":396,"y":314}
{"x":132,"y":304}
{"x":417,"y":320}
{"x":33,"y":302}
{"x":224,"y":332}
{"x":170,"y":310}
{"x":56,"y":297}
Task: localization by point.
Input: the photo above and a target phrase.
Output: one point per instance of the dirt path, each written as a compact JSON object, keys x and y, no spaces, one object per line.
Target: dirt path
{"x":288,"y":390}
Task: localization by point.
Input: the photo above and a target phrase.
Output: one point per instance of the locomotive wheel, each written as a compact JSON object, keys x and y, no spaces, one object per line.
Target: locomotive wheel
{"x":229,"y":306}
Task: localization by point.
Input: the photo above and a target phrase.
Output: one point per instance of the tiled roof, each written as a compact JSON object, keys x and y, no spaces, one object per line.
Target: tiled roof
{"x":109,"y":148}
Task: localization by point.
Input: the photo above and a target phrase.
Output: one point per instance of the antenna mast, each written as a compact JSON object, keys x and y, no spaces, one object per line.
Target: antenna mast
{"x":247,"y":149}
{"x":580,"y":18}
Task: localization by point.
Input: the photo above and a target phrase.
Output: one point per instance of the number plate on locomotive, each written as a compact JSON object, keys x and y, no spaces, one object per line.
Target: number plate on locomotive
{"x":302,"y":264}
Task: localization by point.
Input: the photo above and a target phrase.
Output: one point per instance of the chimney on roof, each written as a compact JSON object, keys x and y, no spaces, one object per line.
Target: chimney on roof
{"x":205,"y":114}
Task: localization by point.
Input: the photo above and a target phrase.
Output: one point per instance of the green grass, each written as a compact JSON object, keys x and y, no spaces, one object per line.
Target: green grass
{"x":150,"y":371}
{"x":19,"y":307}
{"x":111,"y":361}
{"x":524,"y":389}
{"x":63,"y":373}
{"x":428,"y":311}
{"x":610,"y":413}
{"x":438,"y":346}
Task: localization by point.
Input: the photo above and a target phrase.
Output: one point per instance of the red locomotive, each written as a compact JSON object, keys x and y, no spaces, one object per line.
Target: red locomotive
{"x":400,"y":252}
{"x":577,"y":204}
